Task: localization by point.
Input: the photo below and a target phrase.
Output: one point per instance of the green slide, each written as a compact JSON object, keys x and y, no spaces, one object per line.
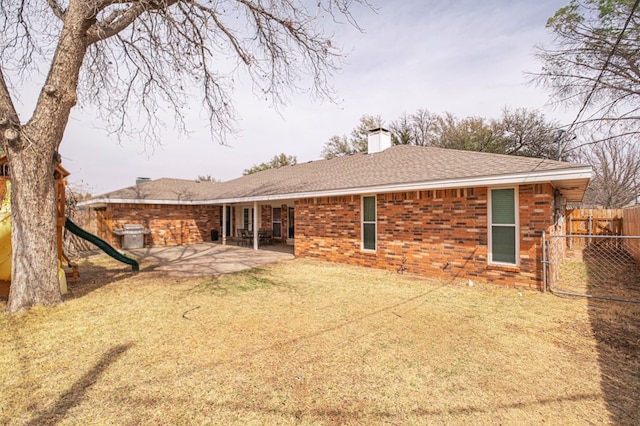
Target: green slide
{"x":102,"y":245}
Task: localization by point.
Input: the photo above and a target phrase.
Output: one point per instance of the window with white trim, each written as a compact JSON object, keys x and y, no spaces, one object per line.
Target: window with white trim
{"x":247,"y":218}
{"x":369,"y":223}
{"x":503,"y":226}
{"x":276,"y":214}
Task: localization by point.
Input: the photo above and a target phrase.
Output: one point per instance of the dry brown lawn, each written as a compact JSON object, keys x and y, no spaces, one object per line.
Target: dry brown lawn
{"x":305,"y":342}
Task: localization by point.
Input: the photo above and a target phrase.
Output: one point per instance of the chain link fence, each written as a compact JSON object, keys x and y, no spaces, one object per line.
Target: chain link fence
{"x":601,"y":266}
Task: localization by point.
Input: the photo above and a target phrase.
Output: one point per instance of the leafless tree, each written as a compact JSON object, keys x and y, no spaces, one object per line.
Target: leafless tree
{"x":594,"y":65}
{"x":401,"y":130}
{"x":132,"y":60}
{"x":418,"y":128}
{"x":616,"y":167}
{"x":207,"y":178}
{"x":337,"y":145}
{"x":276,"y":162}
{"x":470,"y":133}
{"x":528,"y":133}
{"x":519,"y":131}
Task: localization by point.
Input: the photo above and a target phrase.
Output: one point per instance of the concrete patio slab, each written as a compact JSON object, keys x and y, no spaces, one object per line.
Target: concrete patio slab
{"x":208,"y":258}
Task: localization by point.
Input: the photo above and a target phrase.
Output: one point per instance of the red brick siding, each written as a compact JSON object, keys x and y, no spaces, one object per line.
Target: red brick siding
{"x":170,"y":225}
{"x":438,"y":233}
{"x":265,"y":217}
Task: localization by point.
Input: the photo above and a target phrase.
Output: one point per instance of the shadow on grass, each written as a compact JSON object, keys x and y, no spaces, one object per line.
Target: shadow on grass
{"x":96,"y":273}
{"x":75,"y":394}
{"x":236,"y":282}
{"x":611,"y":271}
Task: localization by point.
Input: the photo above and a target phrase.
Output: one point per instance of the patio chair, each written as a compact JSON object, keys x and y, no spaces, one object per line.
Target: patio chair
{"x":261,"y":236}
{"x":268,"y":237}
{"x":245,"y":237}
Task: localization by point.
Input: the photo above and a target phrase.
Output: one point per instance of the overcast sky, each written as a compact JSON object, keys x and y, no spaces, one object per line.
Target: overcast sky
{"x":466,"y":57}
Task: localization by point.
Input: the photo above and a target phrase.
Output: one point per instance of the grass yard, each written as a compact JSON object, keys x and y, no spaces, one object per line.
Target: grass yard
{"x":310,"y":343}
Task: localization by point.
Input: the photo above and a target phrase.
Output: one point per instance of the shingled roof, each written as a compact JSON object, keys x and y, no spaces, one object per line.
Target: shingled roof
{"x":164,"y":189}
{"x":397,"y":168}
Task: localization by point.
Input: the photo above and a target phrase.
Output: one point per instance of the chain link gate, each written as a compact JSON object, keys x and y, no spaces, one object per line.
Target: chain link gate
{"x":598,"y":266}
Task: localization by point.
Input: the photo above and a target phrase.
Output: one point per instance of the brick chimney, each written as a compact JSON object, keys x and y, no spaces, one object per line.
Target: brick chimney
{"x":378,"y":140}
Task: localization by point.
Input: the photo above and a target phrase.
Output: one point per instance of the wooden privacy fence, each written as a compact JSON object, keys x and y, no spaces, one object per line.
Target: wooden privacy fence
{"x":606,"y":222}
{"x":631,"y":225}
{"x":595,"y":222}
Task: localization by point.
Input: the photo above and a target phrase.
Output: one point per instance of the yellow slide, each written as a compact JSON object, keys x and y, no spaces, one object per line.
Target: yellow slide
{"x":5,"y":241}
{"x":5,"y":234}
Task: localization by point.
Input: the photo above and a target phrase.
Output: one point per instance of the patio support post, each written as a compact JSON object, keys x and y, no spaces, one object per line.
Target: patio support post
{"x":255,"y":225}
{"x":224,"y":224}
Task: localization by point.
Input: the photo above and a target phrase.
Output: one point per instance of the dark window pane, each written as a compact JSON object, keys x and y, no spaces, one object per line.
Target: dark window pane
{"x":503,"y":244}
{"x":369,"y":237}
{"x":291,"y":222}
{"x":369,"y":207}
{"x":503,"y":206}
{"x":277,"y":229}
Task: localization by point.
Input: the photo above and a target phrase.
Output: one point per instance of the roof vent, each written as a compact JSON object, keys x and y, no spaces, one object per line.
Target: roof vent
{"x":378,"y":140}
{"x":140,"y":180}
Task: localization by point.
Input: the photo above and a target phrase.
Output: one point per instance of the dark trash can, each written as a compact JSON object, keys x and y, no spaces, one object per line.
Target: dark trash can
{"x":214,"y":235}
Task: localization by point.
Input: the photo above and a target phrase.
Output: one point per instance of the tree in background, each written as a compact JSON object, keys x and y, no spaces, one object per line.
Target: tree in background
{"x":276,"y":162}
{"x":616,"y":167}
{"x":357,"y":142}
{"x":207,"y":178}
{"x":419,"y":128}
{"x":594,"y":65}
{"x":130,"y":59}
{"x":517,"y":132}
{"x":469,"y":134}
{"x":528,"y":133}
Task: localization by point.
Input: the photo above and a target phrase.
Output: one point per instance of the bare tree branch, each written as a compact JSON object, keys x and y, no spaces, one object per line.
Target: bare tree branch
{"x":595,"y":65}
{"x":616,"y":165}
{"x":8,"y":114}
{"x":120,"y":19}
{"x":56,"y":8}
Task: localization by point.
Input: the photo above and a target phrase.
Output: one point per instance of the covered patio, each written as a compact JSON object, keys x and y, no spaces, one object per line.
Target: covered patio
{"x":259,"y":224}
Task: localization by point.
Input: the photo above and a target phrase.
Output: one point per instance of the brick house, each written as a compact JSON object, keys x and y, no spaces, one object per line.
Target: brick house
{"x":432,"y":211}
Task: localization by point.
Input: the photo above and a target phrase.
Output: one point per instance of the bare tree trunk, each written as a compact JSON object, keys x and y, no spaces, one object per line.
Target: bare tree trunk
{"x":32,"y":156}
{"x":33,"y":209}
